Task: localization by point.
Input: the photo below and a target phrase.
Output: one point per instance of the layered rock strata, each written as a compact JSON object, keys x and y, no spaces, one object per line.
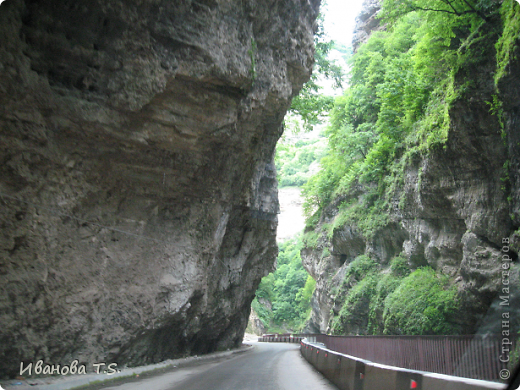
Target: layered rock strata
{"x":138,"y":191}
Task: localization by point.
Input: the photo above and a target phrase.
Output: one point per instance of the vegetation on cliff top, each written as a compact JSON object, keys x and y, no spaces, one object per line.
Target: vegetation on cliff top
{"x":402,"y":83}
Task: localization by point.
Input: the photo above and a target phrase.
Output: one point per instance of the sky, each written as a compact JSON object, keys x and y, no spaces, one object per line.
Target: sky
{"x":339,"y":23}
{"x":340,"y":19}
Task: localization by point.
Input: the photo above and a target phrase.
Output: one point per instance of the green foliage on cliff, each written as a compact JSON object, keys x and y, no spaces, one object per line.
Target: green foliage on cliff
{"x":402,"y":85}
{"x":422,"y":304}
{"x":449,"y":9}
{"x":394,"y":301}
{"x":294,"y":160}
{"x":361,"y":267}
{"x":390,"y":88}
{"x":283,"y":297}
{"x":505,"y":45}
{"x":356,"y":305}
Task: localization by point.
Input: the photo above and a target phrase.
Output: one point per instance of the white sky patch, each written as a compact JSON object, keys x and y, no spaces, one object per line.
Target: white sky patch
{"x":340,"y":19}
{"x":339,"y":23}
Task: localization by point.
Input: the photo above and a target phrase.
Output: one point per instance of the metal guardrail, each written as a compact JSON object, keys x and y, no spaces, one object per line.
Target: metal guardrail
{"x":470,"y":356}
{"x":352,"y":373}
{"x":285,"y":337}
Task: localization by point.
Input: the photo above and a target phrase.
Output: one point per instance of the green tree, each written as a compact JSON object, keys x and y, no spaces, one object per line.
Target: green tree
{"x":304,"y":295}
{"x":294,"y":160}
{"x":482,"y":8}
{"x":288,"y":290}
{"x":310,"y":104}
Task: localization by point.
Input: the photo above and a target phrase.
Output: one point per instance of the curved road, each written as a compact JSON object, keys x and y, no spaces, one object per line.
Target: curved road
{"x":269,"y":366}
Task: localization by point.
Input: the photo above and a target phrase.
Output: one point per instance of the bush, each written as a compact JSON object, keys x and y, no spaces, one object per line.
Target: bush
{"x":394,"y":301}
{"x":361,"y":267}
{"x":399,"y":266}
{"x":354,"y":312}
{"x":424,"y":303}
{"x":385,"y":286}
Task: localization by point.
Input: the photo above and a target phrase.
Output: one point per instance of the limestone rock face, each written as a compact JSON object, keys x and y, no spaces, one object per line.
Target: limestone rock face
{"x":455,"y":210}
{"x":366,"y":22}
{"x":138,"y":191}
{"x":255,"y":323}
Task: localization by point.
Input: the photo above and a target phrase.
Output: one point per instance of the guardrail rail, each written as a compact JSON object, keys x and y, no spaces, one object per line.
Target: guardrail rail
{"x":352,"y":373}
{"x":470,"y":356}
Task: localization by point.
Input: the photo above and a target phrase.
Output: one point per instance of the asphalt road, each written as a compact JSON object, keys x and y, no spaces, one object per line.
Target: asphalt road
{"x":268,"y":366}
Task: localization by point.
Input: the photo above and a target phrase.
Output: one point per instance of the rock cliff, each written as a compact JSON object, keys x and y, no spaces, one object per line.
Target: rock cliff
{"x":366,"y":22}
{"x":138,"y":191}
{"x":255,"y":324}
{"x":457,"y":209}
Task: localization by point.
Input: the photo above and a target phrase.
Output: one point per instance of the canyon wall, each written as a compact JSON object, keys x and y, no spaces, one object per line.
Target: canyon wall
{"x":137,"y":185}
{"x":457,"y":209}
